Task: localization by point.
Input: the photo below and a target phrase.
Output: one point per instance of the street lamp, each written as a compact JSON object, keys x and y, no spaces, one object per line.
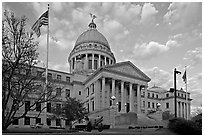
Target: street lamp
{"x":175,"y":102}
{"x":113,"y":106}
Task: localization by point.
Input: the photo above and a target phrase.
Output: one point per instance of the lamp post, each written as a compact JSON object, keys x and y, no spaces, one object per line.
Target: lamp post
{"x":175,"y":102}
{"x":113,"y":106}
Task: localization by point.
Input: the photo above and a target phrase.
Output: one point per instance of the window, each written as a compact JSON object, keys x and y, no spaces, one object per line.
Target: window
{"x":27,"y":105}
{"x":181,"y":95}
{"x":178,"y":94}
{"x":59,"y":77}
{"x":148,"y":104}
{"x":49,"y":75}
{"x":157,"y":96}
{"x":119,"y":106}
{"x":152,"y":104}
{"x":152,"y":95}
{"x":67,"y":92}
{"x":58,"y":122}
{"x":38,"y":106}
{"x":48,"y":121}
{"x":67,"y":79}
{"x":167,"y":105}
{"x":15,"y":122}
{"x":58,"y":107}
{"x":148,"y":95}
{"x":167,"y":95}
{"x":143,"y":93}
{"x":93,"y":105}
{"x":92,"y":88}
{"x":49,"y":107}
{"x":26,"y":121}
{"x":39,"y":73}
{"x":90,"y":64}
{"x":95,"y":64}
{"x":37,"y":120}
{"x":58,"y":93}
{"x":143,"y":103}
{"x":87,"y":91}
{"x":79,"y":92}
{"x":88,"y":106}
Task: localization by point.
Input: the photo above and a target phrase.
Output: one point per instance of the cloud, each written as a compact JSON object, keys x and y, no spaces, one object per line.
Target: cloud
{"x":183,"y":15}
{"x":194,"y":56}
{"x":159,"y":77}
{"x":152,"y":49}
{"x":148,"y":13}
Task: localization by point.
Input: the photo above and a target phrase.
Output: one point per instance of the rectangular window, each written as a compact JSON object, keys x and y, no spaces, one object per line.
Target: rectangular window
{"x":90,"y":64}
{"x":119,"y":106}
{"x":152,"y":105}
{"x":58,"y":107}
{"x":157,"y":96}
{"x":95,"y":64}
{"x":37,"y":120}
{"x":58,"y":92}
{"x":148,"y":104}
{"x":167,"y":105}
{"x":152,"y":95}
{"x":93,"y":105}
{"x":49,"y":75}
{"x":143,"y":103}
{"x":58,"y":122}
{"x":38,"y":106}
{"x":88,"y":107}
{"x":26,"y":121}
{"x":92,"y":88}
{"x":48,"y":121}
{"x":67,"y":79}
{"x":15,"y":122}
{"x":27,"y":105}
{"x":87,"y":91}
{"x":67,"y":92}
{"x":39,"y":73}
{"x":49,"y":107}
{"x":59,"y":77}
{"x":79,"y":92}
{"x":148,"y":95}
{"x":167,"y":95}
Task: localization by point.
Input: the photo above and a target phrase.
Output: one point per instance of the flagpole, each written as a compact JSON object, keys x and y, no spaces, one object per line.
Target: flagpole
{"x":46,"y":81}
{"x":186,"y":95}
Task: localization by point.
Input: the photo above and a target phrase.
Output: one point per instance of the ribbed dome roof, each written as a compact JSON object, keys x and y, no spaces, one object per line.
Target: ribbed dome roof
{"x":92,"y":35}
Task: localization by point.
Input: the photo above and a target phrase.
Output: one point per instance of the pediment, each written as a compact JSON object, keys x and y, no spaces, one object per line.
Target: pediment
{"x":129,"y":69}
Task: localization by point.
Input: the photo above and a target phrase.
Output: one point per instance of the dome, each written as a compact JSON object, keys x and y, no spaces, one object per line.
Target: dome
{"x":92,"y":35}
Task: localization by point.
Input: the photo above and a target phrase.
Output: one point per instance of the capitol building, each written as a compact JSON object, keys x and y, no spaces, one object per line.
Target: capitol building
{"x":106,"y":87}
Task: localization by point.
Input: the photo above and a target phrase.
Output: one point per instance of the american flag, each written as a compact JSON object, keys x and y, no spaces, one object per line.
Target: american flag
{"x":43,"y":20}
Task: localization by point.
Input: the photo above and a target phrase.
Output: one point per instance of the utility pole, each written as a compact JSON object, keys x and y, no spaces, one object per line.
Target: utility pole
{"x":175,"y":102}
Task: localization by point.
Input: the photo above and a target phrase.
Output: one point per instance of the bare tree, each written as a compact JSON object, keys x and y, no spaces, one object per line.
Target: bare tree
{"x":19,"y":84}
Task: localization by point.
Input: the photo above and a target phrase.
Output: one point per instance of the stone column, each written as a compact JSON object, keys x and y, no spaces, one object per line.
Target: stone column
{"x":99,"y":61}
{"x":103,"y":92}
{"x":86,"y":62}
{"x":122,"y":97}
{"x":96,"y":95}
{"x":90,"y":106}
{"x":113,"y":87}
{"x":131,"y":99}
{"x":92,"y":61}
{"x":138,"y":99}
{"x":105,"y":60}
{"x":145,"y":99}
{"x":187,"y":115}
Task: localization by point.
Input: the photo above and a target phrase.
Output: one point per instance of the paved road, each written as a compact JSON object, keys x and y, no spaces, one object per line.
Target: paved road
{"x":116,"y":131}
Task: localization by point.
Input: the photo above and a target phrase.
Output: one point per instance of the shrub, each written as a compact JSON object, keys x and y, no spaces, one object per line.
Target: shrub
{"x":184,"y":127}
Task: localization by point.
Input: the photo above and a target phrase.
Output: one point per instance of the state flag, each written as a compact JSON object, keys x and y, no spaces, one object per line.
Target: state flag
{"x":184,"y":77}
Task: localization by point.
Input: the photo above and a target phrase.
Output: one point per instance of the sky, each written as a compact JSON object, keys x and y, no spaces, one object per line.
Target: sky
{"x":157,"y":37}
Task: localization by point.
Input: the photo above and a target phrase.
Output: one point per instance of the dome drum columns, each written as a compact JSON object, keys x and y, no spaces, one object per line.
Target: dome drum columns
{"x":89,"y":61}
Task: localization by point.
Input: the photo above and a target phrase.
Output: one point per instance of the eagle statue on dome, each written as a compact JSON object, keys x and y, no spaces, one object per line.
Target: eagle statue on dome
{"x":92,"y":16}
